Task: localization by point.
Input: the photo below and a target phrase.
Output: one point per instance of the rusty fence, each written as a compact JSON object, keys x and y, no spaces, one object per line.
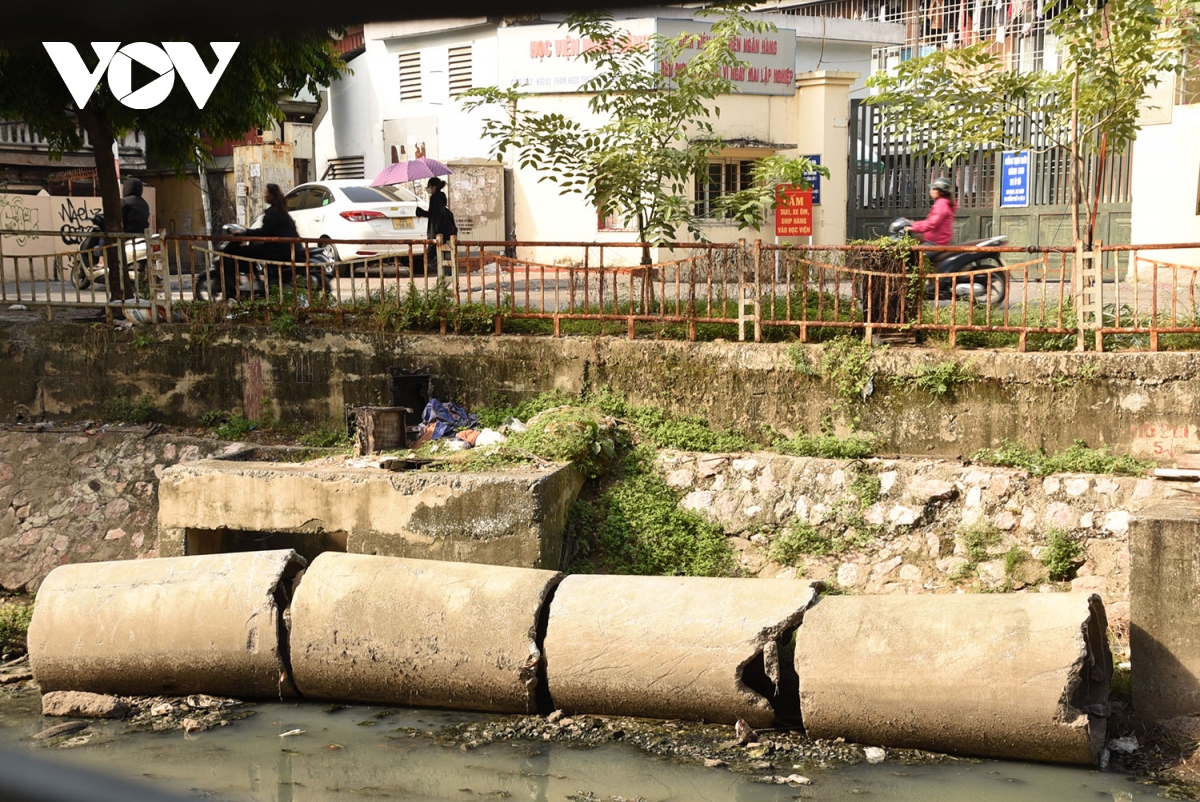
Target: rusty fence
{"x":1126,"y":296}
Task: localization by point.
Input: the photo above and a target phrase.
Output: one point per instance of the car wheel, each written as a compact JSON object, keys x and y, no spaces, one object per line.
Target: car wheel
{"x":997,"y":284}
{"x":329,"y":253}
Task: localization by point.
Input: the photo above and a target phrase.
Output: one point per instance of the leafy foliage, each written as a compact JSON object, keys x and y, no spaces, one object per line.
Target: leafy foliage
{"x":15,"y":616}
{"x":957,"y":99}
{"x":1078,"y":458}
{"x":939,"y":379}
{"x":635,"y":526}
{"x":800,"y":538}
{"x":655,"y":134}
{"x":126,"y":410}
{"x":844,"y":364}
{"x":1061,"y":555}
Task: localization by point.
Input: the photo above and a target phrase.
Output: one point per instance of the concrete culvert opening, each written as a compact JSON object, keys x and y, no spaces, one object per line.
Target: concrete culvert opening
{"x":234,"y":541}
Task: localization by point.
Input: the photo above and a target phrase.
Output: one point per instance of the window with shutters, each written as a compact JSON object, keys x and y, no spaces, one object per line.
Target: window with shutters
{"x":460,"y":69}
{"x":410,"y":75}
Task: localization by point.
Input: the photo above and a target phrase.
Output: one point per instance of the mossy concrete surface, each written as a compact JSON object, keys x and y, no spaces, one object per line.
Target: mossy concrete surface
{"x":1140,"y":403}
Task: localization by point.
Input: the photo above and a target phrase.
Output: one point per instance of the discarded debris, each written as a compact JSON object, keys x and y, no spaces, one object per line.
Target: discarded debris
{"x":60,"y":729}
{"x":290,"y":733}
{"x":1125,"y":746}
{"x":875,"y":754}
{"x":793,"y":779}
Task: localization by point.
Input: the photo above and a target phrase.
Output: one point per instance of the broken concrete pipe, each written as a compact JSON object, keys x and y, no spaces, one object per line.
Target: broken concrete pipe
{"x":420,"y":632}
{"x":171,"y":626}
{"x":1017,"y":676}
{"x":696,"y":648}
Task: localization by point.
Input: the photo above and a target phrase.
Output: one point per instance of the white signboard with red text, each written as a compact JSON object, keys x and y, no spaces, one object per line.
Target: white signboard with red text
{"x":544,"y":58}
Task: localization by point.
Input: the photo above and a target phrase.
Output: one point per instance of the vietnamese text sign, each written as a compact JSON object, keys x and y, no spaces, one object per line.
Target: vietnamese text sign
{"x":793,"y":214}
{"x":814,"y":179}
{"x":545,"y":58}
{"x":1014,"y":174}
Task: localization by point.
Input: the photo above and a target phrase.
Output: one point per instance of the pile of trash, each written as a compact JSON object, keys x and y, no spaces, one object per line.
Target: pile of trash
{"x":444,"y":420}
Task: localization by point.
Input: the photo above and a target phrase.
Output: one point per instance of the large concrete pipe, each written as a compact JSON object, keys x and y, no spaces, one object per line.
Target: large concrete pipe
{"x":675,"y":647}
{"x":1018,"y":675}
{"x":419,"y":632}
{"x":170,"y":626}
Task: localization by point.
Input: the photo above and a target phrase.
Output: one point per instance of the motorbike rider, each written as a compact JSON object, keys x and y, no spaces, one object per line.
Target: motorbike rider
{"x":938,"y":227}
{"x":277,"y":222}
{"x":135,"y":212}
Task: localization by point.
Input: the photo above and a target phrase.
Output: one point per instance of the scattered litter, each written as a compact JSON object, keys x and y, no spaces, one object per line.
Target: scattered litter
{"x":489,"y":437}
{"x":713,"y":763}
{"x":18,"y":308}
{"x":1104,"y":758}
{"x":793,"y":779}
{"x":875,"y":754}
{"x":190,"y":725}
{"x":1125,"y":746}
{"x":60,"y":729}
{"x":456,"y":445}
{"x":516,"y":425}
{"x":290,"y":733}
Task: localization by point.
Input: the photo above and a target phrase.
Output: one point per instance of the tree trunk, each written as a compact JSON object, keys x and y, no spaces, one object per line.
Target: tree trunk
{"x":101,"y":135}
{"x":1076,"y":191}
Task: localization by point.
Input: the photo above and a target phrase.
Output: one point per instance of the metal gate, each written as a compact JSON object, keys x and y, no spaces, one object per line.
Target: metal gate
{"x":887,"y":181}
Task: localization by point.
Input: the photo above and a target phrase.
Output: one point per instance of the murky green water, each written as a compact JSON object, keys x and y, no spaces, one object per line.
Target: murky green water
{"x":338,"y":758}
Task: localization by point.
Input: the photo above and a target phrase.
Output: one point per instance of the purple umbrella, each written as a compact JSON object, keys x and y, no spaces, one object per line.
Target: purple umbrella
{"x":412,"y":170}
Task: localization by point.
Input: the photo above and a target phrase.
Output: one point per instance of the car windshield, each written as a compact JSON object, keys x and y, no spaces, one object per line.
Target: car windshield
{"x":377,"y":194}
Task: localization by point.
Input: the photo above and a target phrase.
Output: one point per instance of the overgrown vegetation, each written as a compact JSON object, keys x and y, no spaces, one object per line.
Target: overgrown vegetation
{"x":635,"y":526}
{"x":1062,"y":555}
{"x":977,"y":539}
{"x":939,"y":379}
{"x":828,"y":446}
{"x":123,"y":409}
{"x":800,"y":539}
{"x":1078,"y":458}
{"x":227,"y":425}
{"x":15,"y":616}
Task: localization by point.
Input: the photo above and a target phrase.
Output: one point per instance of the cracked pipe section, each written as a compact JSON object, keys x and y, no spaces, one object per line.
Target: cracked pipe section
{"x":673,"y":647}
{"x":419,"y":632}
{"x":1023,"y":676}
{"x":169,"y":626}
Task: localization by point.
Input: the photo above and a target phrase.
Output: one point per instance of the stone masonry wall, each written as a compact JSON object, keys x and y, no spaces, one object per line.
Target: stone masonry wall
{"x":82,"y":495}
{"x":917,"y":530}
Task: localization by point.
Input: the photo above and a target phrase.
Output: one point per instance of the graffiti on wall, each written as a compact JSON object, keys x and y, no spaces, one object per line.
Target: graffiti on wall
{"x":75,"y":216}
{"x":16,"y":216}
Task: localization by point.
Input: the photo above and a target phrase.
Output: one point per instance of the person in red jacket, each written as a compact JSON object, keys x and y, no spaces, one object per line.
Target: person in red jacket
{"x":938,"y":227}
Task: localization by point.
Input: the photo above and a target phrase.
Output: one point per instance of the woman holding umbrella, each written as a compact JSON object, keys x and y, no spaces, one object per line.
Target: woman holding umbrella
{"x":440,"y":220}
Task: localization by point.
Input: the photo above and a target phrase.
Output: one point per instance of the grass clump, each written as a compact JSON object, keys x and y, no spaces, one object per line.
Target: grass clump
{"x":977,"y":539}
{"x":228,"y":426}
{"x":1078,"y":458}
{"x":1013,"y":558}
{"x":1062,"y":555}
{"x":845,"y":363}
{"x":333,"y":437}
{"x":15,"y":616}
{"x":939,"y":380}
{"x":799,"y":539}
{"x":828,"y":446}
{"x":635,"y":526}
{"x":123,"y":409}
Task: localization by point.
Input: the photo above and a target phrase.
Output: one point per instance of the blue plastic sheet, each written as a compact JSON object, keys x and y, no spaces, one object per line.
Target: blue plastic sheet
{"x":448,"y":418}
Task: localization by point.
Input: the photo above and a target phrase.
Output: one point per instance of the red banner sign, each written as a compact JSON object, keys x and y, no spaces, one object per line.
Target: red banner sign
{"x":793,"y":214}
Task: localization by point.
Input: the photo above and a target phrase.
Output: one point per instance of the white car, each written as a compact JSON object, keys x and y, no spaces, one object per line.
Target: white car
{"x":352,"y":210}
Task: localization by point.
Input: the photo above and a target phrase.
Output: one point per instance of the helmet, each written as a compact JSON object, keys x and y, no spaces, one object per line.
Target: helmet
{"x":943,"y":184}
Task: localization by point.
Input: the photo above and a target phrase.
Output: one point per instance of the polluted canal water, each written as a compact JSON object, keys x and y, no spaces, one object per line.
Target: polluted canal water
{"x":289,"y":752}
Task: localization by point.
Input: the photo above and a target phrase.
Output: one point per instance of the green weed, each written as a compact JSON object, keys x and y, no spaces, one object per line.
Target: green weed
{"x":125,"y":410}
{"x":284,"y":324}
{"x":828,"y":446}
{"x":939,"y":380}
{"x":15,"y":616}
{"x":334,"y":437}
{"x":977,"y":538}
{"x":1062,"y":555}
{"x":800,"y":538}
{"x":845,"y":365}
{"x":1078,"y":458}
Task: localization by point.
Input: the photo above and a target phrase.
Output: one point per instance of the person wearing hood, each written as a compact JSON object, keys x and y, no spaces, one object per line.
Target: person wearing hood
{"x":135,"y":212}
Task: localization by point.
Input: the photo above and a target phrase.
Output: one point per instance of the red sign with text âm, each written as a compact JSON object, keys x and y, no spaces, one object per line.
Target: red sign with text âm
{"x":793,"y":214}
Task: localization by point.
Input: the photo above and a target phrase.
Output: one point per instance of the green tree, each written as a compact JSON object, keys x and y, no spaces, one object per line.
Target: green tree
{"x":264,"y":69}
{"x":1112,"y":52}
{"x":656,"y":133}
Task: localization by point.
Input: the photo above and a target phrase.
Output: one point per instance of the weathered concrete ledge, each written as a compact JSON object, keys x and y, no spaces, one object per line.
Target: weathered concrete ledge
{"x":1135,"y":402}
{"x":504,"y":518}
{"x":420,"y":633}
{"x":1019,"y":676}
{"x":1164,"y":542}
{"x":172,"y":627}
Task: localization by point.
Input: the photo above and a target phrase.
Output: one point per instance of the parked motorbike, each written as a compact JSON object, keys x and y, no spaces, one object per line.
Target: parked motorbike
{"x":253,"y":276}
{"x":990,"y":287}
{"x":87,"y":266}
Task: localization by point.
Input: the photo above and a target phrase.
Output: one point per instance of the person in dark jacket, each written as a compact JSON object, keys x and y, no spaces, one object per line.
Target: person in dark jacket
{"x":135,"y":212}
{"x":277,"y":222}
{"x":438,"y":220}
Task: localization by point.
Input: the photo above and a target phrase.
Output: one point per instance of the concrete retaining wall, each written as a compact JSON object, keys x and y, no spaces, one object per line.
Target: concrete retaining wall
{"x":1136,"y":402}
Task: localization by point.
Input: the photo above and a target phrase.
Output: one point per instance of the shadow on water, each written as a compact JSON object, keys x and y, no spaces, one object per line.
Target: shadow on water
{"x":372,"y":752}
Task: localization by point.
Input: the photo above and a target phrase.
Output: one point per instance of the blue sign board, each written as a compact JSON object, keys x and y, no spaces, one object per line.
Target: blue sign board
{"x":1014,"y":177}
{"x":814,"y":180}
